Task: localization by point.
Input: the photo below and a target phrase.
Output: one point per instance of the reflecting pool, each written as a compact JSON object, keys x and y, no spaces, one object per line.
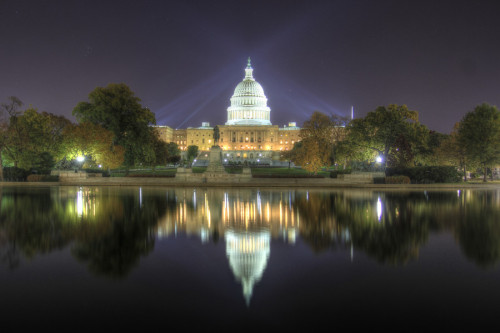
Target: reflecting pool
{"x":82,"y":258}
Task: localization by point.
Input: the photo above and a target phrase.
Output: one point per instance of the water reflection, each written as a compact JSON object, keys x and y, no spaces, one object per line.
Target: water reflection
{"x":110,"y":229}
{"x":248,"y":253}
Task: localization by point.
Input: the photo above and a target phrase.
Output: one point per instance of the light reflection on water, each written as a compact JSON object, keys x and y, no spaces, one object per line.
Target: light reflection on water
{"x":116,"y":232}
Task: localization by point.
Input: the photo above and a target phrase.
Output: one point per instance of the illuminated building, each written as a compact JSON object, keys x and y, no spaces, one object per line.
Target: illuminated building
{"x":248,"y":134}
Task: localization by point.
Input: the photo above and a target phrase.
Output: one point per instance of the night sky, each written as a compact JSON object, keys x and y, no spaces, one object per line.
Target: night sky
{"x":183,"y":59}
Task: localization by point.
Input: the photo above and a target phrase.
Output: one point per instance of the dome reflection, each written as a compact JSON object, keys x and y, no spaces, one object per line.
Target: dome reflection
{"x":248,"y":253}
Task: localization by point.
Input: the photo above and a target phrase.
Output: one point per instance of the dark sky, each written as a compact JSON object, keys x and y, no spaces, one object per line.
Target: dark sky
{"x":183,"y":59}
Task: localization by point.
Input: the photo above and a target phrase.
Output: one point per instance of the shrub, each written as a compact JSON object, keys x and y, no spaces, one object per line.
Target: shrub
{"x":149,"y":175}
{"x":286,"y":176}
{"x":14,"y":174}
{"x":427,"y":174}
{"x":43,"y":163}
{"x":397,"y":180}
{"x":378,"y":180}
{"x":335,"y":173}
{"x":234,"y":170}
{"x":42,"y":178}
{"x":104,"y":172}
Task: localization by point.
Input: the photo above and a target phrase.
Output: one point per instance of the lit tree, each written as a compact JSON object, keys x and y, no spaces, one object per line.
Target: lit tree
{"x":92,"y":141}
{"x":116,"y":108}
{"x":317,"y":139}
{"x":32,"y":136}
{"x":380,"y":129}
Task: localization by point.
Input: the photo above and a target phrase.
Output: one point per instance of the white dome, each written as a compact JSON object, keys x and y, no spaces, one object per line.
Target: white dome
{"x":249,"y":88}
{"x":248,"y":103}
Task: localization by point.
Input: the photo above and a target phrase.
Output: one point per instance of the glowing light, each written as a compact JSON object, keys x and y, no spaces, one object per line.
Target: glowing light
{"x":79,"y":202}
{"x":378,"y":159}
{"x":379,"y":209}
{"x":80,"y":158}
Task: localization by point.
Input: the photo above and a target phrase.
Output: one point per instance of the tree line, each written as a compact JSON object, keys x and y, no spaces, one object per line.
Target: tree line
{"x":393,"y":136}
{"x":112,"y":130}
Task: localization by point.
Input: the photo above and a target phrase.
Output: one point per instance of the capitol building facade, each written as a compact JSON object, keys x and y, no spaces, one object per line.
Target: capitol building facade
{"x":248,"y":134}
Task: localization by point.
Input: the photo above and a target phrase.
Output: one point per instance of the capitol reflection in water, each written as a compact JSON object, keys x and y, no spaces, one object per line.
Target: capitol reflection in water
{"x":246,"y":219}
{"x":122,"y":233}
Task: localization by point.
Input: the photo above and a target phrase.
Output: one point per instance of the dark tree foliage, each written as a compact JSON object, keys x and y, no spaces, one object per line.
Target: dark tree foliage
{"x":400,"y":155}
{"x":479,"y":134}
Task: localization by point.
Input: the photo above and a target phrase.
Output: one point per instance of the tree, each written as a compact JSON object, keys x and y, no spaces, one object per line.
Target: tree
{"x":400,"y":155}
{"x":32,"y":135}
{"x":173,"y":153}
{"x":317,"y":142}
{"x":452,"y":152}
{"x":321,"y":142}
{"x":192,"y":153}
{"x":116,"y":108}
{"x":479,"y":133}
{"x":7,"y":110}
{"x":94,"y":142}
{"x":380,"y":129}
{"x":338,"y":127}
{"x":426,"y":152}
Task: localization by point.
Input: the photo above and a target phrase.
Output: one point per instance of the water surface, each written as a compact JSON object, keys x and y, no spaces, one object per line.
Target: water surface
{"x":155,"y":258}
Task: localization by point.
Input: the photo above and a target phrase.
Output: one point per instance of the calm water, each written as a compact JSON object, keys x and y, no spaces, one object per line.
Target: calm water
{"x":82,"y":258}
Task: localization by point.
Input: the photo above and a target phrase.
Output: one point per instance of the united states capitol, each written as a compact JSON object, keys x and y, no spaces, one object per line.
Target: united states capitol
{"x":248,"y":136}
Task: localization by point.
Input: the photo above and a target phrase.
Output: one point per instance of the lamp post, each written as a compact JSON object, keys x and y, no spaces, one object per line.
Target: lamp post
{"x":80,"y":160}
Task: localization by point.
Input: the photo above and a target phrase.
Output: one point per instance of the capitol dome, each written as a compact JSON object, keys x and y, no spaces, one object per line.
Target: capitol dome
{"x":248,"y":103}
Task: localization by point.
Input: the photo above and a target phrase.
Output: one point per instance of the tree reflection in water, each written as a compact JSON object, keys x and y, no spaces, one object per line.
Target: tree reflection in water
{"x":109,"y":228}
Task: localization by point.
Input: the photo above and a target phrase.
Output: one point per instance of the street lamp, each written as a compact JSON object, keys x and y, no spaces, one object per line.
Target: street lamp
{"x":80,"y":160}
